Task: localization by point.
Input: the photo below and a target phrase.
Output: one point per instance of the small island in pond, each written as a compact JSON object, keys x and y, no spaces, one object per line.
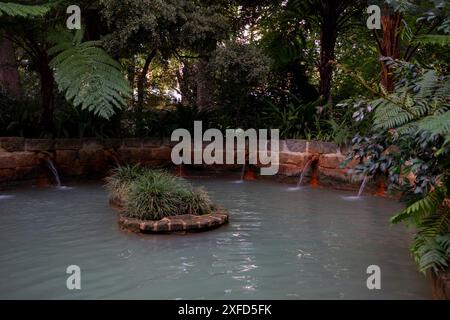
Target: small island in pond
{"x":154,"y":201}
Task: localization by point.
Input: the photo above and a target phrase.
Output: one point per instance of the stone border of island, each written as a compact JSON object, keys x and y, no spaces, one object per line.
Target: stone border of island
{"x":186,"y":223}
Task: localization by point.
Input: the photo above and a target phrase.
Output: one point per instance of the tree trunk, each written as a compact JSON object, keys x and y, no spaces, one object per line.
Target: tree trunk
{"x":131,"y":72}
{"x":298,"y":83}
{"x":187,"y":83}
{"x":9,"y":74}
{"x":328,"y":40}
{"x":47,"y":93}
{"x":390,"y":46}
{"x":141,"y":88}
{"x":204,"y":81}
{"x":143,"y":79}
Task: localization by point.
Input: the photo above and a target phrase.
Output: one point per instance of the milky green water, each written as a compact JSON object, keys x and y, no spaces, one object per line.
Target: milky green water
{"x":304,"y":244}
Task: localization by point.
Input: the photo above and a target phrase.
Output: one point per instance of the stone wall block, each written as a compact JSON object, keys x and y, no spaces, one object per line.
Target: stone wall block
{"x":12,"y":144}
{"x":151,"y":142}
{"x":112,"y":143}
{"x":68,"y":144}
{"x":39,"y":145}
{"x":7,"y":160}
{"x":332,"y":161}
{"x":130,"y":155}
{"x":161,"y":153}
{"x":132,"y":143}
{"x":25,"y":159}
{"x":294,"y":145}
{"x":289,"y":170}
{"x":321,"y":147}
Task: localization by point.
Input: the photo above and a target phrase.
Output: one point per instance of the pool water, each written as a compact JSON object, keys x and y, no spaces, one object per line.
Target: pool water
{"x":280,"y":244}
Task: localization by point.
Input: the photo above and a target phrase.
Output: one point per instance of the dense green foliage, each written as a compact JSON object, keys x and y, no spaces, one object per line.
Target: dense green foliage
{"x":152,"y":195}
{"x":411,"y":146}
{"x":409,"y":139}
{"x":236,"y":61}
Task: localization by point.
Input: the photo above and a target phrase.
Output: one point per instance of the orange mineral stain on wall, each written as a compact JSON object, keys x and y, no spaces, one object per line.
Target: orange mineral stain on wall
{"x":314,"y":176}
{"x":381,"y":188}
{"x":250,"y":174}
{"x":179,"y":171}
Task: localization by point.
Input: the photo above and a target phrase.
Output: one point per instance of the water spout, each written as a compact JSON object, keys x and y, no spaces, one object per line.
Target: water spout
{"x":363,"y":186}
{"x":54,"y":172}
{"x":302,"y":176}
{"x":180,"y":171}
{"x":242,"y":179}
{"x":244,"y":168}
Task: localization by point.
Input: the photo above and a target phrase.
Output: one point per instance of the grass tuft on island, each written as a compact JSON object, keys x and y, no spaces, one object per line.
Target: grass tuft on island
{"x":147,"y":194}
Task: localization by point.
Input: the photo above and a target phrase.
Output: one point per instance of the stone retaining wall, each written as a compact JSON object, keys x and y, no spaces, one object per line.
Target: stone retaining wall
{"x":325,"y":157}
{"x":24,"y":159}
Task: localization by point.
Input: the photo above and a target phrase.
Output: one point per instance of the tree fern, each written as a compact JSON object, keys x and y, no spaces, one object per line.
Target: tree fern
{"x":423,"y":102}
{"x":419,"y":111}
{"x":21,"y":10}
{"x":88,"y":75}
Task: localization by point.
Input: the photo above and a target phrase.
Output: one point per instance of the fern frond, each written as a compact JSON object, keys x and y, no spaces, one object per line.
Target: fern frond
{"x":389,"y":115}
{"x":431,"y":255}
{"x":434,"y":225}
{"x":427,"y":85}
{"x":436,"y":39}
{"x":89,"y":77}
{"x":424,"y":104}
{"x":437,"y":124}
{"x":22,"y":10}
{"x":421,"y":208}
{"x":444,"y":241}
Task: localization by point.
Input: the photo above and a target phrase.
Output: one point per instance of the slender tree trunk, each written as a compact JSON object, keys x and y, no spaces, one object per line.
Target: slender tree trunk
{"x":328,"y":40}
{"x":204,"y":81}
{"x":141,"y":90}
{"x":131,"y":72}
{"x":9,"y":74}
{"x":143,"y":79}
{"x":390,"y":46}
{"x":299,"y":83}
{"x":187,"y":83}
{"x":47,"y":93}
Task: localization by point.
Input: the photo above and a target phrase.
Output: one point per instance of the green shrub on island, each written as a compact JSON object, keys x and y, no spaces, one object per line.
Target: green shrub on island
{"x":119,"y":183}
{"x":152,"y":194}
